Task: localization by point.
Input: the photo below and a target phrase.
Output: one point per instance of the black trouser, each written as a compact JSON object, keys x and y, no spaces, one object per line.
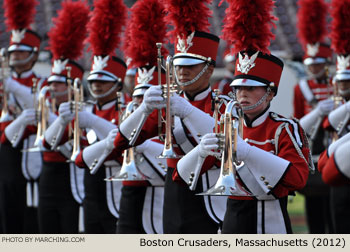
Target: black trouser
{"x":58,"y":210}
{"x":184,"y":212}
{"x":340,"y":209}
{"x":12,"y":191}
{"x":241,"y":217}
{"x":130,"y":211}
{"x":317,"y":204}
{"x":318,"y":214}
{"x":97,"y":217}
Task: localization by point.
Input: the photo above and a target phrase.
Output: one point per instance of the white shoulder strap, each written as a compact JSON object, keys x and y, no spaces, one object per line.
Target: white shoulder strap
{"x":306,"y":91}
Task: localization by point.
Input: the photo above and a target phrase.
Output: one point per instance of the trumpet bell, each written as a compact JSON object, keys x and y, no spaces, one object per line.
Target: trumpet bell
{"x":227,"y":185}
{"x":168,"y":152}
{"x":36,"y":149}
{"x":128,"y":172}
{"x":73,"y":157}
{"x":5,"y":117}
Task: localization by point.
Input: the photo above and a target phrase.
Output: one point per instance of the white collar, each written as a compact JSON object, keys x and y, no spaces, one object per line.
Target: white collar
{"x":106,"y":106}
{"x":22,"y":75}
{"x":199,"y":96}
{"x":259,"y":120}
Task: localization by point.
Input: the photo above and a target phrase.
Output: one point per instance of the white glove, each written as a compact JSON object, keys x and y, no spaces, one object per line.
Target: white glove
{"x":15,"y":130}
{"x":142,"y":147}
{"x":152,"y":99}
{"x":242,"y":149}
{"x":28,"y":117}
{"x":52,"y":117}
{"x":10,"y":85}
{"x":85,"y":119}
{"x":22,"y":93}
{"x":180,"y":106}
{"x":65,"y":113}
{"x":209,"y":145}
{"x":347,"y":105}
{"x":110,"y":140}
{"x":101,"y":126}
{"x":324,"y":107}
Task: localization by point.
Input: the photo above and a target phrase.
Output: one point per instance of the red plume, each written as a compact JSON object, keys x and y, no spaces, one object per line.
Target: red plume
{"x":187,"y":16}
{"x":311,"y":18}
{"x":248,"y":24}
{"x":146,"y":27}
{"x":69,"y":32}
{"x":340,"y":33}
{"x":19,"y":14}
{"x":105,"y":26}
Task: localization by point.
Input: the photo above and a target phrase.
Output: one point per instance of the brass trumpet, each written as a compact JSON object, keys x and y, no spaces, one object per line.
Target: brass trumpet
{"x":129,"y":171}
{"x":78,"y":99}
{"x":159,"y":66}
{"x":227,"y":184}
{"x":69,"y":88}
{"x":42,"y":118}
{"x":5,"y":114}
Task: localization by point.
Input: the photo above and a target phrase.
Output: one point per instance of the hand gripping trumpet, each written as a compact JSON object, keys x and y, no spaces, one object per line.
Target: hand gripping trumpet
{"x":5,"y":114}
{"x":42,"y":114}
{"x":78,"y":99}
{"x":227,"y":184}
{"x":129,"y":170}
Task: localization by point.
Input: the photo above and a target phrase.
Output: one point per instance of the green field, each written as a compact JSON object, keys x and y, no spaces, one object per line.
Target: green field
{"x":296,"y":212}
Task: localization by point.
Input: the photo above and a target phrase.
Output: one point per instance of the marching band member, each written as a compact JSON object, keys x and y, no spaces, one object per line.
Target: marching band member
{"x":312,"y":104}
{"x":274,"y":149}
{"x":333,"y":162}
{"x":105,"y":81}
{"x":60,"y":184}
{"x":19,"y":190}
{"x":141,"y":203}
{"x":141,"y":198}
{"x":194,"y":61}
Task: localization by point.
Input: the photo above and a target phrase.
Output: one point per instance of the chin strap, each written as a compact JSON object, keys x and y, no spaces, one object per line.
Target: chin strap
{"x":183,"y":84}
{"x":102,"y":95}
{"x":317,"y":75}
{"x":344,"y":93}
{"x":57,"y":94}
{"x":14,"y":63}
{"x":262,"y":99}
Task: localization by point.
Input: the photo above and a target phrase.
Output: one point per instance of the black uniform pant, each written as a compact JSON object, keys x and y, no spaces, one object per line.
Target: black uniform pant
{"x":16,"y":217}
{"x":97,"y":217}
{"x":130,"y":211}
{"x":184,"y":212}
{"x":340,"y":209}
{"x":58,"y":210}
{"x":317,"y":205}
{"x":241,"y":217}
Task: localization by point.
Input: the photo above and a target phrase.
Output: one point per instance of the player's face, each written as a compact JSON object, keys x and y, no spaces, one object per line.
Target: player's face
{"x":19,"y":55}
{"x":188,"y":73}
{"x":248,"y":96}
{"x":316,"y":68}
{"x":101,"y":87}
{"x":344,"y":89}
{"x":59,"y":88}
